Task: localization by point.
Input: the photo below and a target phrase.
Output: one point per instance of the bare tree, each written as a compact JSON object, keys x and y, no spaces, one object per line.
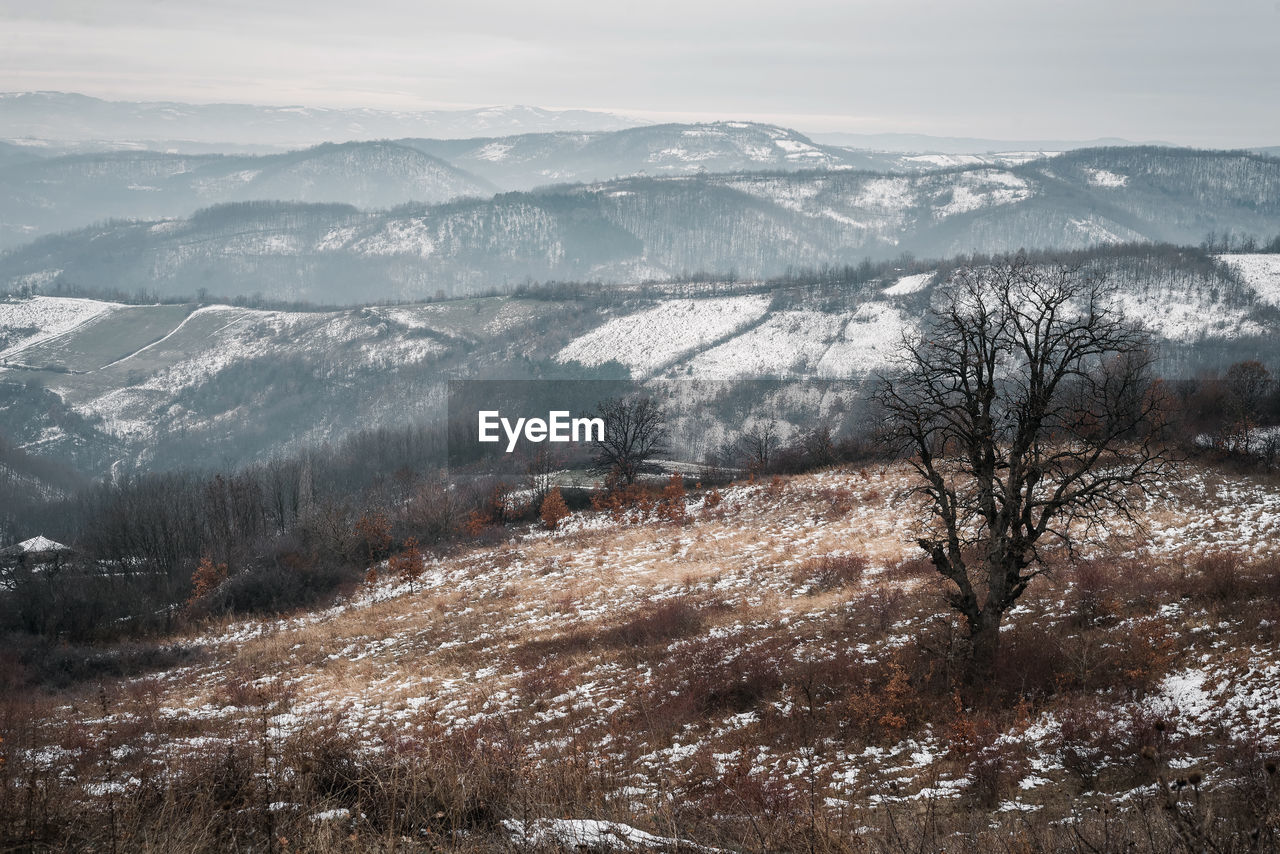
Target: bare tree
{"x":634,"y":433}
{"x":1247,"y":385}
{"x":1029,"y":414}
{"x":1249,"y":382}
{"x":540,"y":473}
{"x":758,"y":445}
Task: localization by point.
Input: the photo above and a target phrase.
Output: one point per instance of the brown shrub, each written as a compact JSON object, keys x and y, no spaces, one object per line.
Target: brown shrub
{"x":1221,"y":577}
{"x":911,"y":568}
{"x":991,"y":761}
{"x":618,"y":499}
{"x":671,"y":503}
{"x":1093,"y":596}
{"x":554,"y":509}
{"x":660,"y":622}
{"x":408,"y":563}
{"x":829,"y":572}
{"x":884,"y":705}
{"x":1031,"y":663}
{"x":1084,"y":739}
{"x":705,"y":676}
{"x":206,"y":578}
{"x":883,"y":607}
{"x":839,"y":501}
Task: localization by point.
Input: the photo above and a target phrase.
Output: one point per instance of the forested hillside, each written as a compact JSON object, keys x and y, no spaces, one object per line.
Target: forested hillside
{"x":744,"y":225}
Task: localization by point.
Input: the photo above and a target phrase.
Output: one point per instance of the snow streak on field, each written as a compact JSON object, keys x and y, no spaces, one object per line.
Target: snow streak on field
{"x":788,"y":342}
{"x":869,"y":341}
{"x":40,"y":318}
{"x":649,"y":339}
{"x":909,"y":285}
{"x":810,"y":343}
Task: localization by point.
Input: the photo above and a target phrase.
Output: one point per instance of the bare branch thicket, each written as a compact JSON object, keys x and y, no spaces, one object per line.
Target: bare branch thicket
{"x":1031,"y":416}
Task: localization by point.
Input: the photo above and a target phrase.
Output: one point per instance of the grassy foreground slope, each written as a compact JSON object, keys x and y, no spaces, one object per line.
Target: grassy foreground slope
{"x":775,"y":671}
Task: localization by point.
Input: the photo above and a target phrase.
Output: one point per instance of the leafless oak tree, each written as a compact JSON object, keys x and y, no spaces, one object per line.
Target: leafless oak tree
{"x":1028,"y":410}
{"x":634,"y":433}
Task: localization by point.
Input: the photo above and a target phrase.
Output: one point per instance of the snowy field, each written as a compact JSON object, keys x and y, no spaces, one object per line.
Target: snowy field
{"x":27,"y":322}
{"x":654,"y":337}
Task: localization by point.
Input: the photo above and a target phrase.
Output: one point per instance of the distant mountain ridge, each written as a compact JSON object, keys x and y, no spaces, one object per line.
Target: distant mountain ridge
{"x":71,"y":116}
{"x":57,"y":193}
{"x":527,"y":161}
{"x":42,"y":192}
{"x":920,"y":143}
{"x":750,"y":224}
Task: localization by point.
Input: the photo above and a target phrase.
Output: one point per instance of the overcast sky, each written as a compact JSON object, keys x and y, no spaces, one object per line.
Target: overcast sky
{"x":1182,"y":71}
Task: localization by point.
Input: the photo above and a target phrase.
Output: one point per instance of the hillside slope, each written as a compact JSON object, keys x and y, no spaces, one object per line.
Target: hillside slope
{"x":91,"y":381}
{"x":774,"y":673}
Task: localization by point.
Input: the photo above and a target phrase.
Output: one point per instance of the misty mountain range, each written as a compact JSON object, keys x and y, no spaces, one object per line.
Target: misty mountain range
{"x":925,"y":143}
{"x":64,"y":116}
{"x":58,"y":120}
{"x":45,"y":194}
{"x":58,"y":193}
{"x":646,"y":228}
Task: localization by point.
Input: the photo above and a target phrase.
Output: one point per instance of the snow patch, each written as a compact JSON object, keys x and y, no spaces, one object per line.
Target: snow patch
{"x":1103,"y":178}
{"x":649,"y":339}
{"x":1259,"y":272}
{"x":909,"y":285}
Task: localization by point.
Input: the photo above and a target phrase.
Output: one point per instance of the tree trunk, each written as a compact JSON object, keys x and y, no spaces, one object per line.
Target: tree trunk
{"x":984,"y":642}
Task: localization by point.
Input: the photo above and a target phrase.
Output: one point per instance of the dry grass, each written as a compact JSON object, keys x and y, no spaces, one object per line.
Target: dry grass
{"x":781,"y":674}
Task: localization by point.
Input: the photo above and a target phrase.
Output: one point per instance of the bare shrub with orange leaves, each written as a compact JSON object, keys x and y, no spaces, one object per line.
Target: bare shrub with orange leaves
{"x":206,"y":578}
{"x":373,"y":531}
{"x":671,"y":504}
{"x":554,"y":509}
{"x":408,"y":563}
{"x":712,"y":499}
{"x":881,"y":702}
{"x":618,"y":500}
{"x":477,"y":523}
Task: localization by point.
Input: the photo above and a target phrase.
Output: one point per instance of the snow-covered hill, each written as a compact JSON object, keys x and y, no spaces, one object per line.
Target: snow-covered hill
{"x":527,"y":161}
{"x":737,"y":688}
{"x":93,"y":381}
